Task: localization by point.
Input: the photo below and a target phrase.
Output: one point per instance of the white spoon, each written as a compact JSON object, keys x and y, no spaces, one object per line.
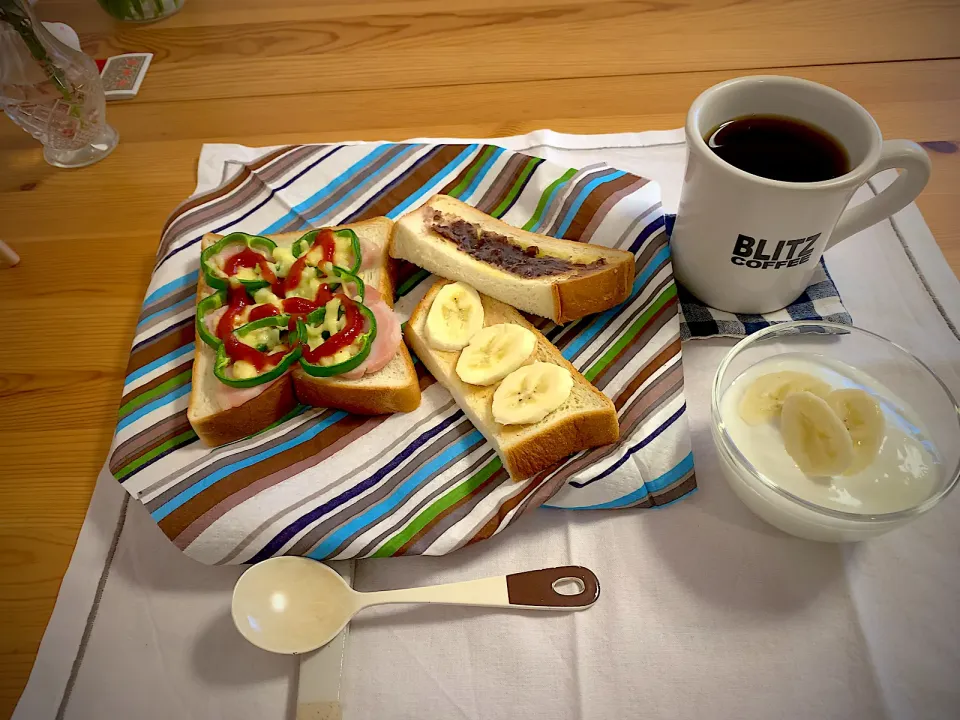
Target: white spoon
{"x":295,"y":605}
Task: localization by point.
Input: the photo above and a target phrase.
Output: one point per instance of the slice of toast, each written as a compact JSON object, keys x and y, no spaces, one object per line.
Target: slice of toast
{"x":587,"y":419}
{"x":214,"y":421}
{"x":600,"y":277}
{"x":212,"y":410}
{"x":395,"y":388}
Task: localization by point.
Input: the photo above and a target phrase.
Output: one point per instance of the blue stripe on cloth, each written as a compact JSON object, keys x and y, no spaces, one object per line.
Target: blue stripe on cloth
{"x":646,"y":233}
{"x":150,"y":367}
{"x":427,"y":157}
{"x":256,"y":207}
{"x":639,"y":446}
{"x":168,"y":330}
{"x":391,"y":164}
{"x":584,"y":193}
{"x":668,"y":478}
{"x":330,"y":187}
{"x":432,"y":182}
{"x":481,"y":174}
{"x":601,"y":320}
{"x":304,"y":520}
{"x":198,"y":487}
{"x":172,"y":310}
{"x":181,"y":282}
{"x":373,"y":514}
{"x":151,"y":406}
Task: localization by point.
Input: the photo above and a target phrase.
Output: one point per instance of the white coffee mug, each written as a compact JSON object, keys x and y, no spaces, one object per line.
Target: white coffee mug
{"x":748,"y":244}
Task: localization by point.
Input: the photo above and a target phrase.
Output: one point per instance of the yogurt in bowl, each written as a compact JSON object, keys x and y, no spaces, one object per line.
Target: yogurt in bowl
{"x":877,"y":442}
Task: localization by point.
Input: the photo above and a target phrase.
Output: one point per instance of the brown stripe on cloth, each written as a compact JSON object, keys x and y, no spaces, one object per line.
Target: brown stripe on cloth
{"x":596,"y":454}
{"x":428,"y":534}
{"x":148,"y":439}
{"x":661,"y":391}
{"x":656,"y":322}
{"x":163,"y":304}
{"x":398,"y":442}
{"x":621,"y":325}
{"x":159,"y":380}
{"x":616,"y":196}
{"x":359,"y":183}
{"x":198,"y":200}
{"x":594,"y":350}
{"x":502,"y":184}
{"x":678,"y":489}
{"x":411,"y":181}
{"x":423,"y":376}
{"x":385,"y":488}
{"x":664,"y":390}
{"x":222,"y":201}
{"x":653,"y":246}
{"x":546,"y":489}
{"x":590,"y":207}
{"x":175,"y":336}
{"x":588,"y":176}
{"x":655,"y":363}
{"x":372,"y":546}
{"x":465,"y":170}
{"x":489,"y":528}
{"x":181,"y":518}
{"x":571,"y":331}
{"x":177,"y":521}
{"x":649,"y":401}
{"x":192,"y":531}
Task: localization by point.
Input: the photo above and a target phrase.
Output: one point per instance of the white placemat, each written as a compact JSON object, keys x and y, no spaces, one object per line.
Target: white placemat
{"x":705,"y":611}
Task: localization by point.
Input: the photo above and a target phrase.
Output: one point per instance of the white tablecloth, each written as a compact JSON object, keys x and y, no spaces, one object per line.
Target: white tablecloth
{"x":705,"y":612}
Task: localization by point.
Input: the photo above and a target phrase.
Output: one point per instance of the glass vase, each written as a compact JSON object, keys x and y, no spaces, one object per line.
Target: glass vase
{"x":52,"y":91}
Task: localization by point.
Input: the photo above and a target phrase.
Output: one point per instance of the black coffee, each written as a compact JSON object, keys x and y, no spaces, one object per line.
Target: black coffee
{"x":779,"y":148}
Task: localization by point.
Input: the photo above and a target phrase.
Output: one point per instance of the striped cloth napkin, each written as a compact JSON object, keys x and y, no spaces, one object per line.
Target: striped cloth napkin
{"x":327,"y":484}
{"x":820,"y":301}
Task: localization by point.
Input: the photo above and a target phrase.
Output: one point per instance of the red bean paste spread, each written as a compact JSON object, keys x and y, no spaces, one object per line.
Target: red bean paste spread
{"x":500,"y":251}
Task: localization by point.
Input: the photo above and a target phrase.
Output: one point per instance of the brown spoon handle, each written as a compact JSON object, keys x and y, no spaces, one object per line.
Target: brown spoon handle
{"x":537,"y":588}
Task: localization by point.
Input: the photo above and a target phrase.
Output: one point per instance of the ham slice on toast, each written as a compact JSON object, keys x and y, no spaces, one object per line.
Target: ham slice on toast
{"x":386,"y":382}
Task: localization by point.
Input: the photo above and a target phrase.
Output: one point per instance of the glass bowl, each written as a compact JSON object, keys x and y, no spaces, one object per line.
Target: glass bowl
{"x":925,"y":401}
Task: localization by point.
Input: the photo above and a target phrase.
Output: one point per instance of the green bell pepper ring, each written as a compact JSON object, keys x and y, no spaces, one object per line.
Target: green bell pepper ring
{"x":343,"y":240}
{"x":216,"y":278}
{"x":224,"y":361}
{"x":366,"y":337}
{"x":340,"y":277}
{"x":206,"y":306}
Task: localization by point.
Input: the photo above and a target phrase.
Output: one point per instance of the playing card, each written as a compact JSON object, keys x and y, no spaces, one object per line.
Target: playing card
{"x":122,"y":74}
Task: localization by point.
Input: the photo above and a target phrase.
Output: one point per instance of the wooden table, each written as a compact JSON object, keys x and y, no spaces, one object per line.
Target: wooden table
{"x":263,"y":72}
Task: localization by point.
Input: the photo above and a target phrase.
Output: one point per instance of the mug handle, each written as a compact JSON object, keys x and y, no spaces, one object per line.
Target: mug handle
{"x":902,"y":154}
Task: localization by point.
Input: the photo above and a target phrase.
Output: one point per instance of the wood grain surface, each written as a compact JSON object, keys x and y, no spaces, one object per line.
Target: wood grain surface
{"x":264,"y":72}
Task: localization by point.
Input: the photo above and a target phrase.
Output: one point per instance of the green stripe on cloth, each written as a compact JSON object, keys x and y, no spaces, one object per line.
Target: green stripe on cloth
{"x":474,"y":169}
{"x":411,"y":282}
{"x":289,"y":416}
{"x":547,"y":194}
{"x":174,"y":442}
{"x":505,"y":204}
{"x":668,"y":293}
{"x":427,"y":516}
{"x":162,"y":389}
